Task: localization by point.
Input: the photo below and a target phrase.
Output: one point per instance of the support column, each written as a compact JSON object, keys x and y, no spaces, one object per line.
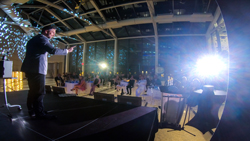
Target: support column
{"x":156,"y":54}
{"x":115,"y":55}
{"x":67,"y":62}
{"x":54,"y":70}
{"x":83,"y":57}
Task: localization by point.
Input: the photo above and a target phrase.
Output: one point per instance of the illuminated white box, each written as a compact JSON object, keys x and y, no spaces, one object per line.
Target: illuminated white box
{"x":6,"y":69}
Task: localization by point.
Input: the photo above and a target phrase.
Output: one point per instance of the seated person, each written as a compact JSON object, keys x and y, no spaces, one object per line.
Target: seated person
{"x":156,"y":81}
{"x":130,"y":84}
{"x":110,"y":79}
{"x":117,"y":80}
{"x":74,"y":76}
{"x":59,"y":80}
{"x":96,"y":83}
{"x":81,"y":85}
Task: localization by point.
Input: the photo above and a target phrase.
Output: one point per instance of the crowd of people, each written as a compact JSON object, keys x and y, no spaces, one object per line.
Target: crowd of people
{"x":181,"y":84}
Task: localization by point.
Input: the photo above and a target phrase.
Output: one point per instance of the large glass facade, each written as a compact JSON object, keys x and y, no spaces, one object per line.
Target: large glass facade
{"x":136,"y":55}
{"x":178,"y":54}
{"x":99,"y":52}
{"x":75,"y":59}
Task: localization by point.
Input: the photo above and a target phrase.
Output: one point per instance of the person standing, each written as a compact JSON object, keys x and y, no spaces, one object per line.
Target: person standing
{"x":59,"y":80}
{"x":35,"y":68}
{"x":96,"y":83}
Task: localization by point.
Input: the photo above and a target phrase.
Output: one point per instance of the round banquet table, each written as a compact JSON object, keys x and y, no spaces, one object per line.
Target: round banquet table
{"x":69,"y":86}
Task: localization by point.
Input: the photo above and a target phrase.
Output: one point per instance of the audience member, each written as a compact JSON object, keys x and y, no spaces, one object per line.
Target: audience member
{"x":130,"y":84}
{"x":81,"y":85}
{"x":156,"y":81}
{"x":117,"y":80}
{"x":59,"y":80}
{"x":74,"y":76}
{"x":96,"y":83}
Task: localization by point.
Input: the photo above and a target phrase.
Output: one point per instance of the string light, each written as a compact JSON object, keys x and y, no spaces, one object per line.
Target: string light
{"x":12,"y":39}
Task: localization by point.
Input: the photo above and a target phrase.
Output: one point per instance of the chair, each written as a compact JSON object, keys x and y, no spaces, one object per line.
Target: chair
{"x":104,"y":97}
{"x":48,"y":88}
{"x":136,"y":101}
{"x":58,"y":90}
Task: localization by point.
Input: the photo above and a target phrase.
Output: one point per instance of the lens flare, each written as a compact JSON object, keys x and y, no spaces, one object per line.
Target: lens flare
{"x":103,"y":65}
{"x":210,"y":65}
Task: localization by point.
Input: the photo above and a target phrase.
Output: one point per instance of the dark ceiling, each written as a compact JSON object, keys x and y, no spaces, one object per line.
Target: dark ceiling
{"x":80,"y":21}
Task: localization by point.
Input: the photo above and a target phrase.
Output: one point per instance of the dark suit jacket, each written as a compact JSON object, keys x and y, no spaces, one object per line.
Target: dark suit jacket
{"x":37,"y":49}
{"x":61,"y":80}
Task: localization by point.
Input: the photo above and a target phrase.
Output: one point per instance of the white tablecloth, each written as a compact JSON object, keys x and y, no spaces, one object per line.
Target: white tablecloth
{"x":141,"y":87}
{"x":124,"y":83}
{"x":69,"y":86}
{"x":153,"y":94}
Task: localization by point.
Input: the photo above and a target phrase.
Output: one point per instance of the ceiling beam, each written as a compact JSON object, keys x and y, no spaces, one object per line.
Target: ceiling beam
{"x":73,"y":14}
{"x":55,"y":15}
{"x":102,"y":16}
{"x":30,"y":17}
{"x":158,"y":19}
{"x":93,"y":11}
{"x":125,"y":4}
{"x":211,"y":26}
{"x":30,"y":6}
{"x":152,"y":14}
{"x":149,"y":36}
{"x":58,"y":1}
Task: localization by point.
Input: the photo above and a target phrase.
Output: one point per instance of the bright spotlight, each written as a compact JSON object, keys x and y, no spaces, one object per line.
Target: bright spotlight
{"x":210,"y":65}
{"x":103,"y":65}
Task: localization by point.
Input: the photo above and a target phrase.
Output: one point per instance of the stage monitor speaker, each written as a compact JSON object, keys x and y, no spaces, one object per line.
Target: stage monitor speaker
{"x":104,"y":97}
{"x":48,"y":88}
{"x":6,"y":69}
{"x":136,"y":101}
{"x":58,"y":90}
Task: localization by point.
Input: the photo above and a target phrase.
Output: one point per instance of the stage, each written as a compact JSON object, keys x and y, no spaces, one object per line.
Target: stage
{"x":78,"y":119}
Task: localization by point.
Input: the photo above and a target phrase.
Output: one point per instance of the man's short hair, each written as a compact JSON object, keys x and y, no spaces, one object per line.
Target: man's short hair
{"x":48,"y":28}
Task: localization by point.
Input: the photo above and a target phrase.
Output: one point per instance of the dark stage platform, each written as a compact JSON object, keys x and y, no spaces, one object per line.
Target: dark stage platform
{"x":78,"y":119}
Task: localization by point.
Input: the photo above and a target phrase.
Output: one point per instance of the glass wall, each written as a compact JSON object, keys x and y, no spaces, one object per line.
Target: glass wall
{"x":178,"y":54}
{"x":136,"y":56}
{"x":75,"y":59}
{"x":99,"y":52}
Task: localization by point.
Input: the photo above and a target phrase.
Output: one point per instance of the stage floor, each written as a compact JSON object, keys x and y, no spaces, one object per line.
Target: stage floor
{"x":78,"y":119}
{"x":162,"y":134}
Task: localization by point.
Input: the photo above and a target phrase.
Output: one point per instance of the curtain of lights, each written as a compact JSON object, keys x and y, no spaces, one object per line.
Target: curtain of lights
{"x":13,"y":39}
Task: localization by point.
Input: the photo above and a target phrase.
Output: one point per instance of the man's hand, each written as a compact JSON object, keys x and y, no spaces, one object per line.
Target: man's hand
{"x":71,"y":49}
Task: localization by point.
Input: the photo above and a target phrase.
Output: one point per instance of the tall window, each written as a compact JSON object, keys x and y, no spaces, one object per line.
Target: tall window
{"x":97,"y":53}
{"x":75,"y":59}
{"x":110,"y":55}
{"x":136,"y":55}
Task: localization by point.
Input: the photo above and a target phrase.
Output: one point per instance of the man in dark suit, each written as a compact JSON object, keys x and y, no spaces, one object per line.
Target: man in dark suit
{"x":35,"y":68}
{"x":59,"y":80}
